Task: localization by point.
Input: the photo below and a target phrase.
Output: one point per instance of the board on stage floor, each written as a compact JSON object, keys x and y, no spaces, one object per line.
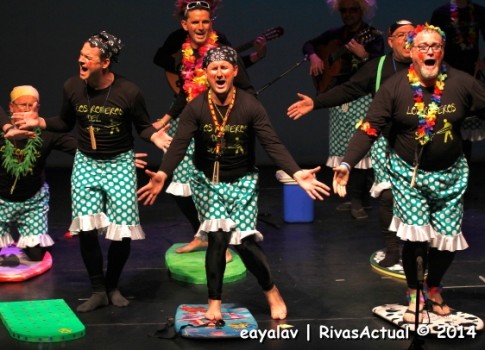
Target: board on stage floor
{"x":190,"y":321}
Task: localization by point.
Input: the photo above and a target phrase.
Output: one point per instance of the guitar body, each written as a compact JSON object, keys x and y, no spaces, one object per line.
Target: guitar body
{"x":332,"y":67}
{"x":173,"y":81}
{"x":331,"y":55}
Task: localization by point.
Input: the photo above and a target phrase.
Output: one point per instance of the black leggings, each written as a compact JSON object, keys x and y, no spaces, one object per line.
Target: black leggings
{"x":359,"y":185}
{"x":188,"y":208}
{"x":251,"y":254}
{"x":118,"y":254}
{"x":437,"y":262}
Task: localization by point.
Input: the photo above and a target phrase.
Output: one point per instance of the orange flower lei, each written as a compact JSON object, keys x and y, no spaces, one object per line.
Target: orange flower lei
{"x":193,"y":75}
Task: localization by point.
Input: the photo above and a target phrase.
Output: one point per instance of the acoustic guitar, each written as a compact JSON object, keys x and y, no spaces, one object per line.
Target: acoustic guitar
{"x":269,"y":34}
{"x":331,"y":54}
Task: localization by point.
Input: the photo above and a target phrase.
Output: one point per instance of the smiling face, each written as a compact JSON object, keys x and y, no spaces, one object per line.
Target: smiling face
{"x":91,"y":64}
{"x":397,"y":42}
{"x":427,"y":54}
{"x":220,"y":75}
{"x":198,"y":26}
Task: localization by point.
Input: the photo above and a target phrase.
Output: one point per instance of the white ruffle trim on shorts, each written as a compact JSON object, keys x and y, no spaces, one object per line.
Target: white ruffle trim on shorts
{"x":426,"y":233}
{"x":365,"y":163}
{"x":226,"y":225}
{"x":101,"y":222}
{"x":6,"y":240}
{"x":33,"y":240}
{"x":179,"y":189}
{"x":377,"y":189}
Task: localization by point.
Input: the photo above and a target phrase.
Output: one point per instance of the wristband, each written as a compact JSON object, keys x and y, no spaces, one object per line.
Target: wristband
{"x":347,"y":165}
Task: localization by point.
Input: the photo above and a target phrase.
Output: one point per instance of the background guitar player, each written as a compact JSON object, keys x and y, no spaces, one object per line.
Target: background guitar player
{"x":339,"y":52}
{"x":331,"y":55}
{"x":165,"y":55}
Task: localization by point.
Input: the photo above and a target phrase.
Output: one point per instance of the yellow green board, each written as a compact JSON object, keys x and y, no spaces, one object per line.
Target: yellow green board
{"x":190,"y":267}
{"x":41,"y":321}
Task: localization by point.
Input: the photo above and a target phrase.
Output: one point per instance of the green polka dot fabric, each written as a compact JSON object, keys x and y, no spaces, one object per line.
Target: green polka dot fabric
{"x":379,"y":154}
{"x":432,"y":210}
{"x":180,"y":184}
{"x":342,"y":124}
{"x":30,"y":219}
{"x":41,"y":321}
{"x":104,"y":195}
{"x":227,"y":206}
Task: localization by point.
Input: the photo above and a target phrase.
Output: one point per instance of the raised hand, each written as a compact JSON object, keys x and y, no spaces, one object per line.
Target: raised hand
{"x":300,"y":108}
{"x":161,"y":139}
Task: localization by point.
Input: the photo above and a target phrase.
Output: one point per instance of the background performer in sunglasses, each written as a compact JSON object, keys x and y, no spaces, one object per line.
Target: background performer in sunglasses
{"x":426,"y":105}
{"x":225,"y":122}
{"x":196,"y":20}
{"x":334,"y":57}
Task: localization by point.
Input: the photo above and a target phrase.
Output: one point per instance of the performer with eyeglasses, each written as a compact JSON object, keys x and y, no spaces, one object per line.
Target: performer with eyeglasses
{"x":334,"y":57}
{"x":367,"y":80}
{"x":196,"y":21}
{"x":104,"y":107}
{"x":426,"y":105}
{"x":225,"y":122}
{"x":463,"y":22}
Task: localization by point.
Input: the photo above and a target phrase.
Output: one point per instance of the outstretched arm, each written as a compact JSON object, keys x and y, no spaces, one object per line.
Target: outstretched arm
{"x":150,"y":191}
{"x":300,"y":108}
{"x":308,"y":181}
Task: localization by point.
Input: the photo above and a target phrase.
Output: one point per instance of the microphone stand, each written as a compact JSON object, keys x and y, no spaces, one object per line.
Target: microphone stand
{"x":296,"y":65}
{"x":418,"y":341}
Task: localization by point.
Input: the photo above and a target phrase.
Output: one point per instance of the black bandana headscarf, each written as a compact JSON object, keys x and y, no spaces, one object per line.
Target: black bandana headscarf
{"x":220,"y":53}
{"x":109,"y":45}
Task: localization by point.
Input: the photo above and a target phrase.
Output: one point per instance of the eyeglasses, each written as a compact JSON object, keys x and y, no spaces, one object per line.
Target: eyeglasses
{"x":349,"y":10}
{"x":196,"y":5}
{"x":400,"y":35}
{"x":424,"y":48}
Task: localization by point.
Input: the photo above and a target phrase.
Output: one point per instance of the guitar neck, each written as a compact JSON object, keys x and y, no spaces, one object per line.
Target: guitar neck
{"x":244,"y":47}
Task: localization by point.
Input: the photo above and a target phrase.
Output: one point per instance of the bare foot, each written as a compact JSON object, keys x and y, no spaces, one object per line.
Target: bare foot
{"x":197,"y":243}
{"x":214,"y":310}
{"x":276,"y":304}
{"x":193,"y":245}
{"x":228,"y":256}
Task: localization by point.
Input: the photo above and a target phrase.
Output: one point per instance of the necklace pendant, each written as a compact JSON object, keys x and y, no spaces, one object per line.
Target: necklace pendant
{"x":92,"y":137}
{"x":415,"y":175}
{"x":215,"y":173}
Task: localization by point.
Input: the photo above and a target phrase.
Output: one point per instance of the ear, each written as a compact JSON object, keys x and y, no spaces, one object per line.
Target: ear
{"x":106,"y":63}
{"x":11,"y":107}
{"x":236,"y":70}
{"x":183,"y":23}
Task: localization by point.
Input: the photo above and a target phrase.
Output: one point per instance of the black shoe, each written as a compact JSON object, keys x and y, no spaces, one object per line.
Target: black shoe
{"x":346,"y":206}
{"x":359,"y":214}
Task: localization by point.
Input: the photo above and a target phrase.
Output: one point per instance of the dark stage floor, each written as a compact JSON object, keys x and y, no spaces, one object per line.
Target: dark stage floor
{"x":322,"y":270}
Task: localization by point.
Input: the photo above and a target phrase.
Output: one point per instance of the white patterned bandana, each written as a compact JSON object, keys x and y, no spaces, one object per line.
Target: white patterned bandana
{"x":109,"y":45}
{"x":220,"y":53}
